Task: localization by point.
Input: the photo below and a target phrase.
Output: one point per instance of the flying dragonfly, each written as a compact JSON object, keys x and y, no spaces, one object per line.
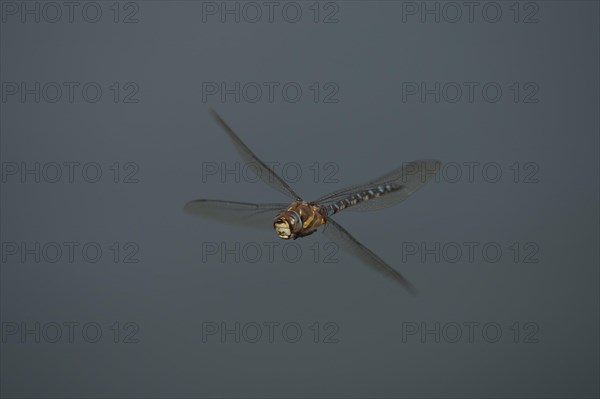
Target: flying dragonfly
{"x":302,"y":218}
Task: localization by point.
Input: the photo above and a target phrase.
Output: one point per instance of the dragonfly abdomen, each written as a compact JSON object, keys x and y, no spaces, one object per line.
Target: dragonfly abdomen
{"x":361,"y":196}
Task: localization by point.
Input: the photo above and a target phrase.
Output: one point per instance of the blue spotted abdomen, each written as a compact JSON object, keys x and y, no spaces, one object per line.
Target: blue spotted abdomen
{"x":360,"y":196}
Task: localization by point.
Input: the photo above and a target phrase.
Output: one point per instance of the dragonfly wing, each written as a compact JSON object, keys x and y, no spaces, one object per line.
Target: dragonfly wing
{"x":345,"y":240}
{"x":266,"y":174}
{"x":410,"y":177}
{"x":238,"y":213}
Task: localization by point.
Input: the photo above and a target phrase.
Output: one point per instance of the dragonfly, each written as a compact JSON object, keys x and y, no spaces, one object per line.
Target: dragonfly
{"x":302,"y":218}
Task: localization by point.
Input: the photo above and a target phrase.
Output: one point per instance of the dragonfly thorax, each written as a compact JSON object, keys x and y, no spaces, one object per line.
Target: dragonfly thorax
{"x":298,"y":220}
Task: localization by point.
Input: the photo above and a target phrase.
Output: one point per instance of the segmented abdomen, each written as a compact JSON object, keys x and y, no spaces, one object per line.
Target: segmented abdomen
{"x":360,"y":196}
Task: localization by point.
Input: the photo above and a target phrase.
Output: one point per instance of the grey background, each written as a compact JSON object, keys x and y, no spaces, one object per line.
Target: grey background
{"x":170,"y":293}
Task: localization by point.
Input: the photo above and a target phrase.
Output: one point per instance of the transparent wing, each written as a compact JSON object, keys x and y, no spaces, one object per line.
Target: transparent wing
{"x":410,"y":177}
{"x":345,"y":240}
{"x":266,"y":174}
{"x":238,"y":213}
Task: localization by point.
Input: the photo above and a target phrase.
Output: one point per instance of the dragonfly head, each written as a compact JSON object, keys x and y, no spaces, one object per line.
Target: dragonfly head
{"x":287,"y":225}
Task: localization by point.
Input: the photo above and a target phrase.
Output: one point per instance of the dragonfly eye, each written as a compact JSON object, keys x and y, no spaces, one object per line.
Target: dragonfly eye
{"x":287,"y":225}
